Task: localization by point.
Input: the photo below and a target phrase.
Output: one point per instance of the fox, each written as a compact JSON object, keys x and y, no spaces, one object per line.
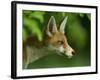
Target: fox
{"x":54,"y":41}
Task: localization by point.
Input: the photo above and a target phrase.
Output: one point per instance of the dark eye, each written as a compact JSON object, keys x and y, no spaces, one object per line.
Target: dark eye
{"x":60,"y":42}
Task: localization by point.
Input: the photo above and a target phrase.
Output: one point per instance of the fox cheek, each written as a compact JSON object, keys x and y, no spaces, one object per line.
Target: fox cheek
{"x":61,"y":49}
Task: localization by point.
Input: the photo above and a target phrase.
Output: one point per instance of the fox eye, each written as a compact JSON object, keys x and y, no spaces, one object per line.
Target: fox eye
{"x":60,"y":42}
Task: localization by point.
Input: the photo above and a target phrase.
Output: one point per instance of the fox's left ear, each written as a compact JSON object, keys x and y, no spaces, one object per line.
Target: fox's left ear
{"x":62,"y":26}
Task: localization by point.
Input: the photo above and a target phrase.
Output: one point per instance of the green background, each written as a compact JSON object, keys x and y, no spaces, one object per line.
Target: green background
{"x":77,"y":32}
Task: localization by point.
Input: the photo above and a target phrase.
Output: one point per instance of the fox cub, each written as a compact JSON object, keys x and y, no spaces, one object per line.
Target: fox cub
{"x":54,"y":41}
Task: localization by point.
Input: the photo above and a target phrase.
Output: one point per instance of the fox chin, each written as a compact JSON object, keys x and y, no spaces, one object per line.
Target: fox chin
{"x":54,"y":40}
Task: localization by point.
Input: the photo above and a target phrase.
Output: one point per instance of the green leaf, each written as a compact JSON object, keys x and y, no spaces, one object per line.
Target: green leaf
{"x":27,"y":12}
{"x":89,"y":16}
{"x":33,"y":26}
{"x":24,"y":34}
{"x":37,"y":15}
{"x":81,"y":15}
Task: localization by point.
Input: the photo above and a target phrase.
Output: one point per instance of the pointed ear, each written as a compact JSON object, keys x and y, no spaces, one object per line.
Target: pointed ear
{"x":62,"y":26}
{"x":51,"y":27}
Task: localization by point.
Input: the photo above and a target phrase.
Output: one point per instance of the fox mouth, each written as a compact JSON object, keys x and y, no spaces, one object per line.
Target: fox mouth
{"x":63,"y":54}
{"x":69,"y":55}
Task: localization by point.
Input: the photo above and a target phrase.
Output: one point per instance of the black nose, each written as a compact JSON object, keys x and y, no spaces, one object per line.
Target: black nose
{"x":73,"y":53}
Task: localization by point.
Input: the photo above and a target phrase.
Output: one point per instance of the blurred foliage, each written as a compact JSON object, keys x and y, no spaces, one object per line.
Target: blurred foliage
{"x":31,"y":24}
{"x":77,"y":32}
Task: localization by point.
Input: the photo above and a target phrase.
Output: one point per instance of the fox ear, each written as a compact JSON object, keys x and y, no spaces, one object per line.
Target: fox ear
{"x":62,"y":26}
{"x":51,"y":27}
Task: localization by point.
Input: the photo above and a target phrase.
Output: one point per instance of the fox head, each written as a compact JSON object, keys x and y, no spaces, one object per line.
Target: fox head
{"x":57,"y":39}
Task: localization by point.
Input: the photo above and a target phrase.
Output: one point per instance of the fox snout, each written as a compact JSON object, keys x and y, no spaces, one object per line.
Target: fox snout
{"x":69,"y":52}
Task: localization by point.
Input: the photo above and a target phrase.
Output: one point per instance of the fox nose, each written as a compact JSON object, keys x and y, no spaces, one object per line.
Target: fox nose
{"x":73,"y":52}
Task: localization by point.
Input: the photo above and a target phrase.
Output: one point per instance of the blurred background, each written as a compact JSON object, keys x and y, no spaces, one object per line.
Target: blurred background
{"x":77,"y":31}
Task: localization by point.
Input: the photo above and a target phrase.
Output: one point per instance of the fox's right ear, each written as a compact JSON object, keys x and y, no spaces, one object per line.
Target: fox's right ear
{"x":51,"y":27}
{"x":63,"y":24}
